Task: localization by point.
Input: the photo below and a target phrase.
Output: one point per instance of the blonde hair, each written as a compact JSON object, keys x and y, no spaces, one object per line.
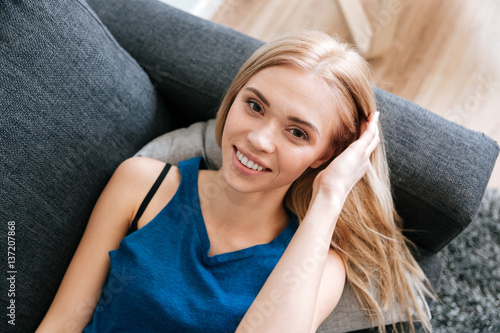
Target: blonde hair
{"x":368,"y":237}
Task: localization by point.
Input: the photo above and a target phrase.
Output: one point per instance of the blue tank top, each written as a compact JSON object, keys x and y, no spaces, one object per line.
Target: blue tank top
{"x":163,"y":280}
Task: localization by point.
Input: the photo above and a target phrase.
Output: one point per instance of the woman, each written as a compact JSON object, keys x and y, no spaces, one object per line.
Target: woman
{"x":222,"y":250}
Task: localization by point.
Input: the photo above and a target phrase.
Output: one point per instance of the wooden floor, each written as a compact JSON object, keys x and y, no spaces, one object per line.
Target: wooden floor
{"x":445,"y":55}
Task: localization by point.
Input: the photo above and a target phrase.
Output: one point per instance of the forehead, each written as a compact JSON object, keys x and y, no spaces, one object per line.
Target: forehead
{"x":298,"y":93}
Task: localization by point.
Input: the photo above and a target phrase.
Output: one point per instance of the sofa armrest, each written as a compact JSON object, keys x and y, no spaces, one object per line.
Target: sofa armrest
{"x":73,"y":106}
{"x":439,"y":170}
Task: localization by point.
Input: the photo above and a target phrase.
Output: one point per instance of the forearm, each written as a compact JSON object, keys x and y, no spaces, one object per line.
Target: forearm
{"x":79,"y":292}
{"x":69,"y":316}
{"x":287,"y":300}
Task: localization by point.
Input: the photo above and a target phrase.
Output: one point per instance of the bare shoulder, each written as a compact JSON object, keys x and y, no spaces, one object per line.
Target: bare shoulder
{"x":140,"y":173}
{"x":140,"y":168}
{"x":331,"y":287}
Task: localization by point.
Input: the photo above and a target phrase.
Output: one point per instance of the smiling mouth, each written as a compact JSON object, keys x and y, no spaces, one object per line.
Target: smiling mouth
{"x":249,"y":163}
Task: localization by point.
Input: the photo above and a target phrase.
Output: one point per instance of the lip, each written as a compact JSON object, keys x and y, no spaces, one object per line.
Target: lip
{"x":243,"y":168}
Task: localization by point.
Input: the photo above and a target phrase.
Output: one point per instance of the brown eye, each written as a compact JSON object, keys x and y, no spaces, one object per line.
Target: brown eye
{"x":256,"y":107}
{"x":299,"y":133}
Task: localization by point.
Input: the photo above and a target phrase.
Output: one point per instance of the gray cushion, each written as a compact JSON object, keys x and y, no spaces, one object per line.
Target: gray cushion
{"x":439,"y":170}
{"x":192,"y":61}
{"x":73,"y":105}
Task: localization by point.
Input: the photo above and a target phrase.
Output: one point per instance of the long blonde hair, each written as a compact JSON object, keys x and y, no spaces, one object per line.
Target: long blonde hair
{"x":368,"y":237}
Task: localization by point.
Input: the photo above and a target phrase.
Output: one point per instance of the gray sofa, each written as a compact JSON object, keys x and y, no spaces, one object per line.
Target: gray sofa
{"x":84,"y":85}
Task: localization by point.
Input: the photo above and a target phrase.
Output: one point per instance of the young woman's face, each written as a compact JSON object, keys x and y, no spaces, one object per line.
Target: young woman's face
{"x":280,"y":123}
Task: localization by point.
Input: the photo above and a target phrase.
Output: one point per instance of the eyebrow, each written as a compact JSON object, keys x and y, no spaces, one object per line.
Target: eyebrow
{"x":256,"y":92}
{"x":291,"y":118}
{"x":303,"y":122}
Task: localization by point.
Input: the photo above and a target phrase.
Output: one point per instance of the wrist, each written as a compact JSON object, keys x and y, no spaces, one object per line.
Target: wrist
{"x":329,"y":191}
{"x":328,"y":200}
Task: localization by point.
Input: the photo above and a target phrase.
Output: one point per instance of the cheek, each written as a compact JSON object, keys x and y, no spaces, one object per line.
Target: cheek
{"x":297,"y":161}
{"x":309,"y":157}
{"x":238,"y":123}
{"x":229,"y":126}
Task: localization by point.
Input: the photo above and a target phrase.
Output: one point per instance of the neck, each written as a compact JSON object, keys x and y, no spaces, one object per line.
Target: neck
{"x":260,"y":216}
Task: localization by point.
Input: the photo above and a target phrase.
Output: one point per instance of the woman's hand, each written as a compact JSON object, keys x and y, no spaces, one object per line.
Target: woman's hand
{"x":351,"y":165}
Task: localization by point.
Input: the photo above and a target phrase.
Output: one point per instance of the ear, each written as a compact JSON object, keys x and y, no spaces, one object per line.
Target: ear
{"x":323,"y":159}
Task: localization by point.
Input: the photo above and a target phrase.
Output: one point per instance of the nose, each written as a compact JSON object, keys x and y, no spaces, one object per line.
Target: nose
{"x":263,"y":138}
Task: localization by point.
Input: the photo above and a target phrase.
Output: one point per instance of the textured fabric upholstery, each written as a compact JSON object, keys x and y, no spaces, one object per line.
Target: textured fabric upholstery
{"x":192,"y":61}
{"x":73,"y":105}
{"x":439,"y":170}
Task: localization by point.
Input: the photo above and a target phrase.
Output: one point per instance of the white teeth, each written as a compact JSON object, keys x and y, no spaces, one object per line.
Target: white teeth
{"x":249,"y":164}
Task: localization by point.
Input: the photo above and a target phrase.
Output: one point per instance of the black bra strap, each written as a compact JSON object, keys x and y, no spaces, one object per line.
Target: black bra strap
{"x":147,"y":199}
